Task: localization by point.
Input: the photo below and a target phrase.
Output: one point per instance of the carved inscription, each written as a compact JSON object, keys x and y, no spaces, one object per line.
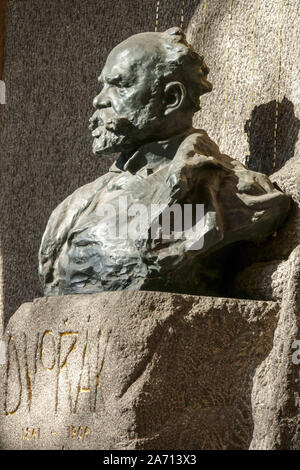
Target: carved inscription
{"x":29,"y":434}
{"x":67,"y":364}
{"x":13,"y":383}
{"x":72,"y":432}
{"x":78,"y":432}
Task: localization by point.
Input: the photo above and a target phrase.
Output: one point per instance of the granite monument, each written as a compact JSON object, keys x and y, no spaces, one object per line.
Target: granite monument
{"x":153,"y":370}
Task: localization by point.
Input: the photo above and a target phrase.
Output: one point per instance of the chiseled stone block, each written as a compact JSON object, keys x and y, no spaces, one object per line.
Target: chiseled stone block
{"x":132,"y":370}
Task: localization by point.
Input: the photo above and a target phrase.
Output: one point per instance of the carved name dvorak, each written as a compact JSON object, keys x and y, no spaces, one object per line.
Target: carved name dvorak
{"x":70,"y":362}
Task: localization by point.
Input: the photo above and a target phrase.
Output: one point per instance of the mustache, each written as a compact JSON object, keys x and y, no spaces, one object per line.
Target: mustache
{"x":110,"y":121}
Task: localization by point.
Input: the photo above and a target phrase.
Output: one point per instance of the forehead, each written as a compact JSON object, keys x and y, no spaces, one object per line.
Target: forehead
{"x":137,"y":52}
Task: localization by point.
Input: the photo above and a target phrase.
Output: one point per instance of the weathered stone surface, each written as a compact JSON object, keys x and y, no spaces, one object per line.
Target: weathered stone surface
{"x":276,"y":390}
{"x":246,"y":45}
{"x":38,"y":49}
{"x":262,"y":281}
{"x":133,"y":370}
{"x":269,"y":263}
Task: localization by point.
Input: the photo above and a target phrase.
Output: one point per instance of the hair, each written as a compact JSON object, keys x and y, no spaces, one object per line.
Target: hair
{"x":181,"y":62}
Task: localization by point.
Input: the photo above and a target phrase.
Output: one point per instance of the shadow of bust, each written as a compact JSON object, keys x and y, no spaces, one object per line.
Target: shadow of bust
{"x":265,"y":273}
{"x":261,"y":130}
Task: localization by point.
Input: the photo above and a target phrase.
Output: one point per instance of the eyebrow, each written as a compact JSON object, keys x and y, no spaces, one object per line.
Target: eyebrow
{"x":109,"y":79}
{"x":117,"y":78}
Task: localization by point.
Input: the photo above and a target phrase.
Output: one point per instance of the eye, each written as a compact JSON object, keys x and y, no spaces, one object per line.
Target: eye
{"x":126,"y":83}
{"x":120,"y":81}
{"x":115,"y":80}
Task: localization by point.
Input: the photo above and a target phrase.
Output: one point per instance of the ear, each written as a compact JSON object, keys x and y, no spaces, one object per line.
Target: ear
{"x":175,"y":94}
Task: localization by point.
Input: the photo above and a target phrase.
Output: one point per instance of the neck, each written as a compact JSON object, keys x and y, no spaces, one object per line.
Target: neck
{"x":163,"y":138}
{"x":155,"y":153}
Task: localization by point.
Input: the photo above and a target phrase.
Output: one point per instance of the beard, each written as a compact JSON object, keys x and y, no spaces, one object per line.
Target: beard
{"x":107,"y":142}
{"x":113,"y":133}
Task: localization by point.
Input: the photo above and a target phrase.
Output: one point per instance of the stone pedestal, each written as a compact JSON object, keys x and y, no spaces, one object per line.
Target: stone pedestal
{"x":133,"y":370}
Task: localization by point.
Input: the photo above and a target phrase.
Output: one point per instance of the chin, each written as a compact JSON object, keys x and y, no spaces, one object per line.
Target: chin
{"x":107,"y":142}
{"x":99,"y":149}
{"x":104,"y":146}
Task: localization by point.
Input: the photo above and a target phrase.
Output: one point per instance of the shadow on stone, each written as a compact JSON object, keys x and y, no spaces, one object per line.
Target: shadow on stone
{"x":261,"y":127}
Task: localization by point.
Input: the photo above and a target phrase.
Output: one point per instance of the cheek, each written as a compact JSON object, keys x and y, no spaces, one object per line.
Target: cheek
{"x":117,"y":101}
{"x":142,"y":96}
{"x":135,"y":98}
{"x":132,"y":101}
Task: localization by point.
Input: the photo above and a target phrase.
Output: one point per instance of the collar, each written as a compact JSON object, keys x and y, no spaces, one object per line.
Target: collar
{"x":151,"y":155}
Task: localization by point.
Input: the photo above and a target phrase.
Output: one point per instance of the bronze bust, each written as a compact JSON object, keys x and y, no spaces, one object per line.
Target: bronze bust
{"x":151,"y":88}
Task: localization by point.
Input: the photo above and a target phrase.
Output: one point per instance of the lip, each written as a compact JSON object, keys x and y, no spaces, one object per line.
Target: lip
{"x":95,"y":121}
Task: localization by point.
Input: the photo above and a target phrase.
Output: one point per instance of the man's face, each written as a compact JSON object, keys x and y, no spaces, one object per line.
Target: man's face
{"x":127,"y":111}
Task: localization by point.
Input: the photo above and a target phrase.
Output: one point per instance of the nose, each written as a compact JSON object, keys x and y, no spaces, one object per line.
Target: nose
{"x":101,"y":102}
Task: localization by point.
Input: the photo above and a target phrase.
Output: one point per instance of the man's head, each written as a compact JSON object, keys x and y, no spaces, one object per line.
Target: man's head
{"x":151,"y":88}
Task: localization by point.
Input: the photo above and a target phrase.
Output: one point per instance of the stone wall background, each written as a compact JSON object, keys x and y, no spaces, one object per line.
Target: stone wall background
{"x":54,"y":52}
{"x":2,"y":35}
{"x":252,"y":49}
{"x":2,"y":32}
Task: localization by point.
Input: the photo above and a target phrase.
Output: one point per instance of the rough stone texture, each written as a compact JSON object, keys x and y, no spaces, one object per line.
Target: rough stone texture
{"x":244,"y":46}
{"x":50,"y":73}
{"x":268,"y":273}
{"x":252,"y":51}
{"x":276,"y":391}
{"x":2,"y":28}
{"x":52,"y":57}
{"x":263,"y":281}
{"x":165,"y":371}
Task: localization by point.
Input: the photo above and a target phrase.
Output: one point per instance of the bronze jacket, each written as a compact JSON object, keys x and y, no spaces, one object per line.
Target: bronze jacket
{"x":85,"y":248}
